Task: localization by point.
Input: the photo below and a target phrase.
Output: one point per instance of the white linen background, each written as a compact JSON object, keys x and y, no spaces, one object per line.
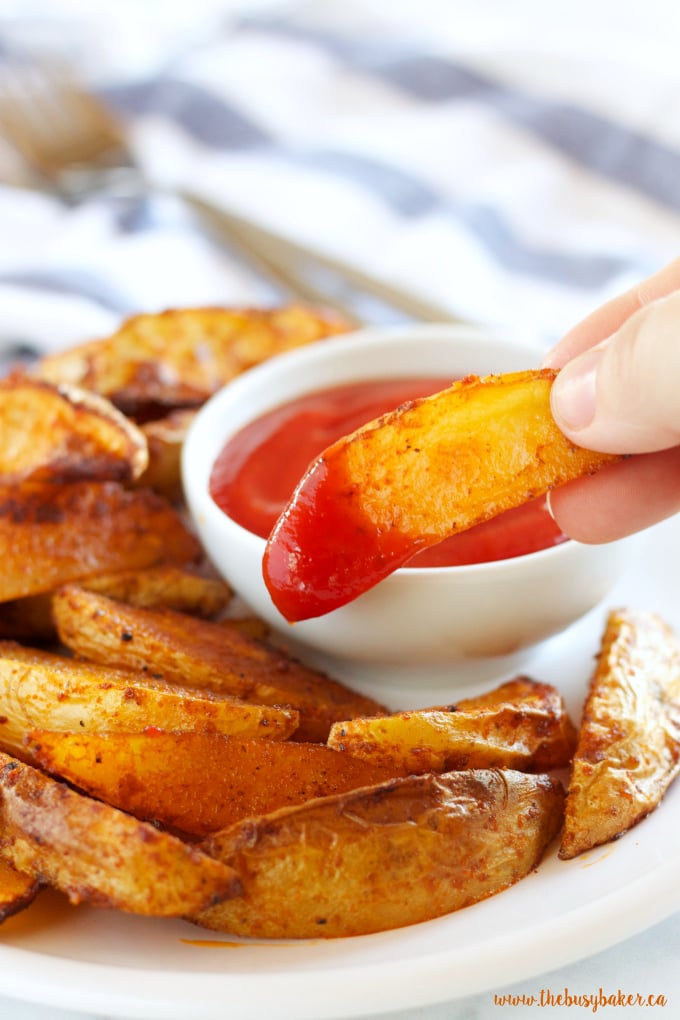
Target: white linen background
{"x":516,"y":162}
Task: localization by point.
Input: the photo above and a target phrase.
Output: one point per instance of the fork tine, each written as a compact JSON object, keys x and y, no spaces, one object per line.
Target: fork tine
{"x":47,"y":118}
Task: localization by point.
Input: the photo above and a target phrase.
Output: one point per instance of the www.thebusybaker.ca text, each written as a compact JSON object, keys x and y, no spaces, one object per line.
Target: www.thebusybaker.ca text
{"x":580,"y":1000}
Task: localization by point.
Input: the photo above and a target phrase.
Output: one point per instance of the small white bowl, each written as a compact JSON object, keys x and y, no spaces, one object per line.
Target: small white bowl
{"x":417,"y":616}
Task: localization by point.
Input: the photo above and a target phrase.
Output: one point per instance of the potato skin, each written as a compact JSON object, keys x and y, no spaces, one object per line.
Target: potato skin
{"x":628,"y":750}
{"x":198,"y":782}
{"x":18,"y":889}
{"x":40,"y":690}
{"x":53,"y":534}
{"x":60,"y":433}
{"x":203,"y":654}
{"x":180,"y":357}
{"x":522,"y":725}
{"x":99,"y":855}
{"x":385,"y":856}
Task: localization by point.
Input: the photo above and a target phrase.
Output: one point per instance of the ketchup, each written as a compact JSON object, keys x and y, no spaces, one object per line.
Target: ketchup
{"x":257,"y":470}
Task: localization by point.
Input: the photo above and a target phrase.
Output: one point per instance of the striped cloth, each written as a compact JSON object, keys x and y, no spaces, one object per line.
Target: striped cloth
{"x":506,"y":163}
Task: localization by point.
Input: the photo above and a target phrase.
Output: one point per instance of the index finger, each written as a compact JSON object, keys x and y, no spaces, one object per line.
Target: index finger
{"x":601,"y":323}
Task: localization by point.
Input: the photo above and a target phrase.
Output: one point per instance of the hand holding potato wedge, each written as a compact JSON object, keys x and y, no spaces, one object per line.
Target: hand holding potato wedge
{"x":433,"y":467}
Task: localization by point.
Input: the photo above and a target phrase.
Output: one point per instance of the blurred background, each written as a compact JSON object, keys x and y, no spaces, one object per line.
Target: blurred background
{"x":507,"y":163}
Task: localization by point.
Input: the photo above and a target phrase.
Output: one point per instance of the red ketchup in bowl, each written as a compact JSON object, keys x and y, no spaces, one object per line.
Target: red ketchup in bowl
{"x":257,"y":470}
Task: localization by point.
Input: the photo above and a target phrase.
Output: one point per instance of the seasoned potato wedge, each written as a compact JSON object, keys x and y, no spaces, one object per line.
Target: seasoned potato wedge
{"x":433,"y":467}
{"x":183,"y":588}
{"x":63,"y":433}
{"x":40,"y":690}
{"x":99,"y":855}
{"x":53,"y":534}
{"x":523,"y":725}
{"x":164,"y":438}
{"x":384,"y":856}
{"x":199,"y":782}
{"x":628,"y":750}
{"x":201,"y":653}
{"x":18,"y":889}
{"x":166,"y":585}
{"x":178,"y":358}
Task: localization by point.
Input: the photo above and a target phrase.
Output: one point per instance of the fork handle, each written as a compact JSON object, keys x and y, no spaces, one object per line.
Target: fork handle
{"x":279,"y":255}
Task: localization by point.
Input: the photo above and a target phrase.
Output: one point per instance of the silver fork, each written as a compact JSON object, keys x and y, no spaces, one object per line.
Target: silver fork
{"x":75,"y":145}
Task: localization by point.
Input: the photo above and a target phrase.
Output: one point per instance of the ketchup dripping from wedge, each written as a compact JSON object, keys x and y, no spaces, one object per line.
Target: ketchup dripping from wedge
{"x":255,"y":474}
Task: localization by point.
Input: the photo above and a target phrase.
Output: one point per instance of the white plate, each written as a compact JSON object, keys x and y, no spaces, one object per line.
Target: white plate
{"x":134,"y":967}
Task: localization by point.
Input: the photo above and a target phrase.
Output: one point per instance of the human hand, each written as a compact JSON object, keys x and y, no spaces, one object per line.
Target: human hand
{"x":618,"y":391}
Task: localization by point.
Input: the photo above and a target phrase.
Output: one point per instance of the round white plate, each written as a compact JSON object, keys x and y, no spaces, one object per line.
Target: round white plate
{"x":92,"y":960}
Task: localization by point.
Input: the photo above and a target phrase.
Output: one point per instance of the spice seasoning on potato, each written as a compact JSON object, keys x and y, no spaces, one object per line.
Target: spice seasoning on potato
{"x":628,"y":751}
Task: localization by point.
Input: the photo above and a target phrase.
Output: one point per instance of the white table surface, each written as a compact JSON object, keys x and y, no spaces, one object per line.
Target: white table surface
{"x":644,"y":965}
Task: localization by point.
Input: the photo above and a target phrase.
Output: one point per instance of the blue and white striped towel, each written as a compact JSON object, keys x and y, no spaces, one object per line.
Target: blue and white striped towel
{"x":516,"y":164}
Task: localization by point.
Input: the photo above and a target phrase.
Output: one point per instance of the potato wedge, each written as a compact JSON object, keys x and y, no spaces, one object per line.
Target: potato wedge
{"x":30,"y":620}
{"x":385,"y":856}
{"x":166,"y":585}
{"x":433,"y":467}
{"x":40,"y":690}
{"x":628,"y":750}
{"x":181,"y":649}
{"x":199,"y":782}
{"x":18,"y":889}
{"x":164,"y":438}
{"x":99,"y":855}
{"x":523,"y":725}
{"x":61,"y":433}
{"x":178,"y":358}
{"x":52,"y":534}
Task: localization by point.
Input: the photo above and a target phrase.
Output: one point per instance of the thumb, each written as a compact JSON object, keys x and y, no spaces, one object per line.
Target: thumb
{"x":622,"y":395}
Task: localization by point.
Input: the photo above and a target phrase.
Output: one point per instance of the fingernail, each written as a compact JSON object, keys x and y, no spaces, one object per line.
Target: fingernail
{"x":573,"y":392}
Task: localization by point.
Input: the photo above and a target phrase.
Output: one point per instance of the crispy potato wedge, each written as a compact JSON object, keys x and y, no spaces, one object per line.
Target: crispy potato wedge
{"x":164,"y":438}
{"x":18,"y":889}
{"x":522,"y":725}
{"x":168,"y":586}
{"x":40,"y":690}
{"x":183,"y":588}
{"x":199,"y":782}
{"x":430,"y":469}
{"x":178,"y":358}
{"x":61,"y":433}
{"x":99,"y":855}
{"x":201,"y":653}
{"x":385,"y":856}
{"x":628,"y":750}
{"x":53,"y":534}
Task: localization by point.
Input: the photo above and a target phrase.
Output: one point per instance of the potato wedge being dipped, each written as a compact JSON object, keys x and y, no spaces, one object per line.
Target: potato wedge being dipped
{"x":628,"y":750}
{"x":431,"y":468}
{"x":385,"y":856}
